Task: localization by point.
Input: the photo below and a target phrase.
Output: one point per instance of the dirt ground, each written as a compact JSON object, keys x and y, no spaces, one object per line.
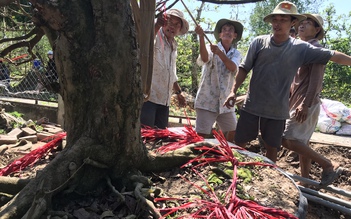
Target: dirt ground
{"x":268,"y":187}
{"x":335,"y":148}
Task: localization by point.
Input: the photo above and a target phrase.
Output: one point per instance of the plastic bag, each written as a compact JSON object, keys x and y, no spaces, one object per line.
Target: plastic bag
{"x":326,"y":124}
{"x":344,"y":130}
{"x":336,"y":110}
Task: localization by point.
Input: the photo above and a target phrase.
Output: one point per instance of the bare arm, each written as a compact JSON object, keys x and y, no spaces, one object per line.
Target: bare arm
{"x":178,"y":91}
{"x":341,"y":58}
{"x":231,"y":66}
{"x":314,"y":87}
{"x":203,"y":50}
{"x":176,"y":88}
{"x":160,"y":22}
{"x":239,"y":79}
{"x":315,"y":84}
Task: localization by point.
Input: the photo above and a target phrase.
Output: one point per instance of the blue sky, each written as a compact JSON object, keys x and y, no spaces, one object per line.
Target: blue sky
{"x":341,"y":7}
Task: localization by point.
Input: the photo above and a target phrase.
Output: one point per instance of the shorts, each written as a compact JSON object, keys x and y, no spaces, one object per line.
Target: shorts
{"x":302,"y":131}
{"x":154,"y":115}
{"x":205,"y":120}
{"x":249,"y":126}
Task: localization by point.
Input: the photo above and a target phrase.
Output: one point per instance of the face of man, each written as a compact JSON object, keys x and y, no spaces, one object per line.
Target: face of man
{"x":173,"y":27}
{"x":281,"y":24}
{"x":227,"y":34}
{"x":308,"y":29}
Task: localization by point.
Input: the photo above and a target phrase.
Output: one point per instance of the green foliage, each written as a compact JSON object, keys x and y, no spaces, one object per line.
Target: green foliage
{"x":338,"y":37}
{"x":184,"y":60}
{"x":238,"y":156}
{"x":39,"y":128}
{"x":258,"y":26}
{"x":264,"y":8}
{"x":17,"y":23}
{"x":337,"y":78}
{"x":230,"y":172}
{"x":176,"y":111}
{"x":214,"y":179}
{"x":258,"y":159}
{"x":16,"y":114}
{"x":11,"y":20}
{"x":243,"y":195}
{"x":245,"y":174}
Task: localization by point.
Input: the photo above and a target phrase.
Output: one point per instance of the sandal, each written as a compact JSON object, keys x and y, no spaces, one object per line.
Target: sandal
{"x":330,"y":176}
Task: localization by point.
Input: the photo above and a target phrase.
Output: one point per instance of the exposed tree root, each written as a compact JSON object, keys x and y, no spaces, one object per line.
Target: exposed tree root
{"x":12,"y":185}
{"x":114,"y":190}
{"x":39,"y":205}
{"x":160,"y":162}
{"x":58,"y":175}
{"x":145,"y":202}
{"x":5,"y":198}
{"x":3,"y":148}
{"x":73,"y":167}
{"x":61,"y":214}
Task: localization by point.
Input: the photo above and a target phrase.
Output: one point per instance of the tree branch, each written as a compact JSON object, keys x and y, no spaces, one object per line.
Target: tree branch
{"x":38,"y":32}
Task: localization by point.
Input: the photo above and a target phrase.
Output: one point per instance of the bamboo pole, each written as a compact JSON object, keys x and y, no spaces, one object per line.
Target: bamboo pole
{"x":328,"y":204}
{"x":327,"y":197}
{"x":194,"y":20}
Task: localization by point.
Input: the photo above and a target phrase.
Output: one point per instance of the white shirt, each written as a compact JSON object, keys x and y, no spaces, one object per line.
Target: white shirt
{"x":216,"y":81}
{"x":164,"y":70}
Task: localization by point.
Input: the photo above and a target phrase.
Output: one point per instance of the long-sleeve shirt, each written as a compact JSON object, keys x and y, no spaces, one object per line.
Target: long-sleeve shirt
{"x":164,"y":70}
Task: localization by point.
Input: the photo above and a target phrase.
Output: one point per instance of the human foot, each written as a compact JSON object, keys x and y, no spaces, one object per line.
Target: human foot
{"x":329,"y":175}
{"x":303,"y":184}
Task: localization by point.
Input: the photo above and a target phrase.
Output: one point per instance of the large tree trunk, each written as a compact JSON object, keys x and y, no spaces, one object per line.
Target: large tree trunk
{"x":97,"y":60}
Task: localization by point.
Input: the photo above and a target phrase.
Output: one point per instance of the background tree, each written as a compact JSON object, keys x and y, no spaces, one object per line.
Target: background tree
{"x":96,"y":54}
{"x":261,"y":9}
{"x":337,"y":79}
{"x":97,"y":59}
{"x":188,"y":71}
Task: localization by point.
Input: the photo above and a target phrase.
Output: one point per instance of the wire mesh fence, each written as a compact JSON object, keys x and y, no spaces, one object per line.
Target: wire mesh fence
{"x":28,"y":81}
{"x":36,"y":81}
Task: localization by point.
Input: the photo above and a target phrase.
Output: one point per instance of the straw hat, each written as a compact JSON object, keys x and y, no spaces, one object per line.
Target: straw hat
{"x":179,"y":14}
{"x":286,"y":8}
{"x":237,"y":25}
{"x":319,"y":20}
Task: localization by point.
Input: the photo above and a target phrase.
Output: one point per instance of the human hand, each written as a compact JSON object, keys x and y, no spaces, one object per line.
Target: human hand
{"x":161,"y":20}
{"x":230,"y":101}
{"x":301,"y":113}
{"x":215,"y":49}
{"x":199,"y":31}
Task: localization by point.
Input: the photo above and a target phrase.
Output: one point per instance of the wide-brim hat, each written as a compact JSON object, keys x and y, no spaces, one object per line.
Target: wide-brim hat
{"x":239,"y":28}
{"x":185,"y":25}
{"x":285,"y":8}
{"x":319,"y":20}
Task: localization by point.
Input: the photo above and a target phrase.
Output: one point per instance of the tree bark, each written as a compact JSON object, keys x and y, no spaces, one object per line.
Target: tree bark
{"x":96,"y":56}
{"x":12,"y":185}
